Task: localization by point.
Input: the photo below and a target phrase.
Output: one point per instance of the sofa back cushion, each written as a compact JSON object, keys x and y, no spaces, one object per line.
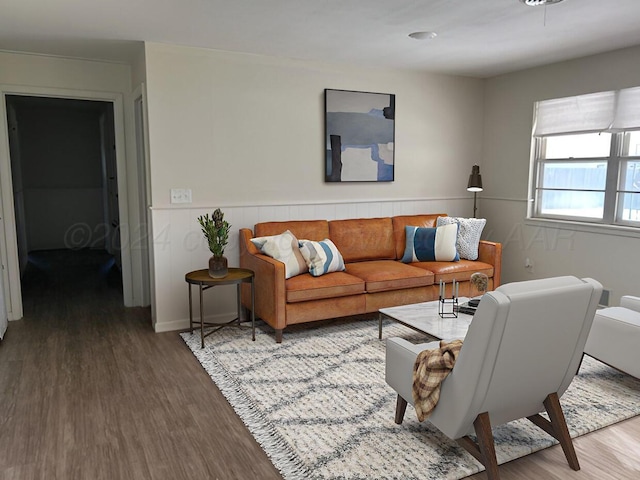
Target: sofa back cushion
{"x":363,"y":239}
{"x":401,"y":221}
{"x":303,"y":229}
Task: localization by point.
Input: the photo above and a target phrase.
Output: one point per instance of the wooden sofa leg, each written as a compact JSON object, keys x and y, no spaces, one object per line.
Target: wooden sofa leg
{"x":401,"y":407}
{"x":278,"y":335}
{"x":557,"y":428}
{"x":484,"y":451}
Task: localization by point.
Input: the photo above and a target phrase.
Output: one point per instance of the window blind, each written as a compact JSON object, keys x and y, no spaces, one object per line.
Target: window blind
{"x":594,"y":112}
{"x":628,"y":110}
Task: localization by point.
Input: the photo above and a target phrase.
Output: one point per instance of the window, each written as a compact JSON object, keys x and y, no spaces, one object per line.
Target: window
{"x":629,"y":189}
{"x":586,"y":160}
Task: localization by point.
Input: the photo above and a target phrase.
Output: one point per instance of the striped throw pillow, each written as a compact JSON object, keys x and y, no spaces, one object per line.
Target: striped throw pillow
{"x":321,"y":257}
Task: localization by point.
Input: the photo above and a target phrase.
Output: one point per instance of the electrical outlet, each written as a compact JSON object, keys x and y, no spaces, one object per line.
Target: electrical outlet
{"x":528,"y":264}
{"x":180,"y":195}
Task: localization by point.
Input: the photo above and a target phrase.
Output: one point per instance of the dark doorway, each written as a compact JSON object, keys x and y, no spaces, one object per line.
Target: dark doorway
{"x":65,"y":194}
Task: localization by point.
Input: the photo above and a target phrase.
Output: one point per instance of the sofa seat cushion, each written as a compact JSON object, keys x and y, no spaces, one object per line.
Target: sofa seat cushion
{"x":337,"y":284}
{"x":385,"y":275}
{"x":461,"y":271}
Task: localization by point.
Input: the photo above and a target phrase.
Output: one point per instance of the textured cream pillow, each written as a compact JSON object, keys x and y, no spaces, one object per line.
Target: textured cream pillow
{"x":469,"y":231}
{"x":284,"y":248}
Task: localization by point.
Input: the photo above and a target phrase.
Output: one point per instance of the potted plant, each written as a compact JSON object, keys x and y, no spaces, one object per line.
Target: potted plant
{"x":216,"y":231}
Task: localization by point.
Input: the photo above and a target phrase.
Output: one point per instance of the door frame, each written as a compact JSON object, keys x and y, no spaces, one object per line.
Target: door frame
{"x":143,"y":164}
{"x":8,"y":241}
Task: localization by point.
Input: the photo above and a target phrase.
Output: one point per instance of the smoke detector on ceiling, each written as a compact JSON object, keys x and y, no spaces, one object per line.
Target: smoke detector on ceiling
{"x":538,"y":3}
{"x":423,"y":35}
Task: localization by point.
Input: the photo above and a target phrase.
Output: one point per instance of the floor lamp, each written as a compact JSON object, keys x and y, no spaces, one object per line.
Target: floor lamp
{"x":475,"y":185}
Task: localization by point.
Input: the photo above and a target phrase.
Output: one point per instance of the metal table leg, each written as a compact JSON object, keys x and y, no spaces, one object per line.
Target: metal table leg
{"x":253,"y":311}
{"x":201,"y":319}
{"x":190,"y":311}
{"x":238,"y":302}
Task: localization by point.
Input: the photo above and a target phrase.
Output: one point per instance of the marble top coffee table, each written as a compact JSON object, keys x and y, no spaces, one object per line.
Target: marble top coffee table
{"x":423,"y":317}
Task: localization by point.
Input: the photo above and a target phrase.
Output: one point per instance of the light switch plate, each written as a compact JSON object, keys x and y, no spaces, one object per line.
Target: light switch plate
{"x":180,"y":195}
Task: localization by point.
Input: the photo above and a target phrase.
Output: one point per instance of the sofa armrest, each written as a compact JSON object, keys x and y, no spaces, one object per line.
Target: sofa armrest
{"x":491,"y":253}
{"x":630,"y":302}
{"x":270,"y":301}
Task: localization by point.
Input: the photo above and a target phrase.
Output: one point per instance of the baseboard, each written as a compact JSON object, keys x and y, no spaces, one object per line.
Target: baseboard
{"x":183,"y":323}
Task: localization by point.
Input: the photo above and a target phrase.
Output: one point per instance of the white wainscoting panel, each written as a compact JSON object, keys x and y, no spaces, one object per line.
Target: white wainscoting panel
{"x":179,"y":247}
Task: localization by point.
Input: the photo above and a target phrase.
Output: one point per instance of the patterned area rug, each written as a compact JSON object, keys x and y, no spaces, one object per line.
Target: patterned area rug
{"x":320,"y":408}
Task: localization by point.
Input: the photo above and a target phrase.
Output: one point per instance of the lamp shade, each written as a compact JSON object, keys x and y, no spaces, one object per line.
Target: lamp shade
{"x":475,"y":180}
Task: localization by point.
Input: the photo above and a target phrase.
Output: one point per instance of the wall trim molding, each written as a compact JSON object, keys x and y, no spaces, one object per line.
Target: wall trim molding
{"x":505,"y":199}
{"x":192,"y":206}
{"x":67,"y":57}
{"x":183,"y":323}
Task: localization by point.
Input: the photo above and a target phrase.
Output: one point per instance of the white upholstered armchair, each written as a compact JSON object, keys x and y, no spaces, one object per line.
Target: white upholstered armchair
{"x":520,"y":354}
{"x":615,"y":336}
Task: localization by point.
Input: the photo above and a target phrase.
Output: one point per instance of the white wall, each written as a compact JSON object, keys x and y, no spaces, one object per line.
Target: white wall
{"x":246,"y":133}
{"x":63,"y":77}
{"x":606,"y":255}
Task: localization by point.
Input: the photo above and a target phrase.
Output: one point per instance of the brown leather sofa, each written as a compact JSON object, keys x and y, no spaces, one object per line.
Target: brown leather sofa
{"x":374,"y":277}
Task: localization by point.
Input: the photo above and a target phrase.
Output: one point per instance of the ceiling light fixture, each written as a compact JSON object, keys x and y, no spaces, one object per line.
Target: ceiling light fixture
{"x":538,"y":3}
{"x":423,"y":35}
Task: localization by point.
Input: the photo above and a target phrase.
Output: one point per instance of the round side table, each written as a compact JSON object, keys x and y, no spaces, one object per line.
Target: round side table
{"x":236,"y":276}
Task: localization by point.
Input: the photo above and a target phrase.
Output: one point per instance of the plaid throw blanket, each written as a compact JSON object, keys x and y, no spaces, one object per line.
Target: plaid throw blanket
{"x":430,"y":369}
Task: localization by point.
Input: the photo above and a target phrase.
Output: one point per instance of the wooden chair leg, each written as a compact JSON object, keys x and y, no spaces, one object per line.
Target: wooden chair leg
{"x":557,"y":428}
{"x":559,"y":423}
{"x":401,"y":407}
{"x":580,"y":364}
{"x":484,"y":451}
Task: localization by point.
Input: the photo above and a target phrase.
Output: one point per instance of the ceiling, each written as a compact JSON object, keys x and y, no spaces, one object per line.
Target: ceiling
{"x":479,"y":38}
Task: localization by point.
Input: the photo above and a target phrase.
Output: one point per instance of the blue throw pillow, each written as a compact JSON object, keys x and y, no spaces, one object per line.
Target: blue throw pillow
{"x":428,"y":244}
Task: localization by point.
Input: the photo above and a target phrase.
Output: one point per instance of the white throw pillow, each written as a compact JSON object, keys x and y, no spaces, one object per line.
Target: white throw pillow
{"x":284,"y":248}
{"x":469,"y":232}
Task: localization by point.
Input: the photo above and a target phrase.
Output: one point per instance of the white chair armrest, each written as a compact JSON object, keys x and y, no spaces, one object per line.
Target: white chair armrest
{"x":630,"y":302}
{"x":401,"y":355}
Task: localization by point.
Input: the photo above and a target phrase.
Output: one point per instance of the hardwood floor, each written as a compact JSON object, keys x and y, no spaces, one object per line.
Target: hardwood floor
{"x":89,"y":391}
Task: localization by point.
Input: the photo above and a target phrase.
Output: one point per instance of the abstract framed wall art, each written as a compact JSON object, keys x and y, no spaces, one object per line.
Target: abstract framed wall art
{"x":359,"y":135}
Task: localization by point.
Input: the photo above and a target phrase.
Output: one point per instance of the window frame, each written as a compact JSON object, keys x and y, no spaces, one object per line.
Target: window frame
{"x":625,"y":157}
{"x":613,"y":189}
